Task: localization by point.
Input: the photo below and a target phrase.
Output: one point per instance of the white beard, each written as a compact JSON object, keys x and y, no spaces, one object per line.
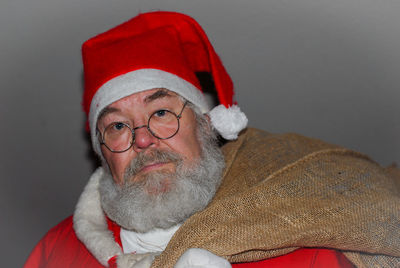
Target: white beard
{"x":189,"y":189}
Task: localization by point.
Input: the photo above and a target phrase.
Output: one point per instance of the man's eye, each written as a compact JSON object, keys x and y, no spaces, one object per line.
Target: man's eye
{"x":118,"y":126}
{"x":160,"y":113}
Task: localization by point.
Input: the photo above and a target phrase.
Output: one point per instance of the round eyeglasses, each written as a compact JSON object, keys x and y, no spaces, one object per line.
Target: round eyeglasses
{"x":119,"y":137}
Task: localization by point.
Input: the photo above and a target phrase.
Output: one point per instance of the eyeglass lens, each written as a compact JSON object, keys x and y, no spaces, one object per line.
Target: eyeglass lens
{"x":117,"y":137}
{"x":162,"y":124}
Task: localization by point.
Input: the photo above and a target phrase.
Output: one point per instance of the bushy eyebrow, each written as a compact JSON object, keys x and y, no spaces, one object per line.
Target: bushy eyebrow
{"x":106,"y":111}
{"x":161,"y":93}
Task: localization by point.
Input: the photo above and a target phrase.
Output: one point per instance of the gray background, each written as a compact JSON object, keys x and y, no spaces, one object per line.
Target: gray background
{"x":323,"y":68}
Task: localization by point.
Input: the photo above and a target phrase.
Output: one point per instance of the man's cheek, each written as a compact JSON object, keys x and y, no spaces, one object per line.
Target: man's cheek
{"x":118,"y":168}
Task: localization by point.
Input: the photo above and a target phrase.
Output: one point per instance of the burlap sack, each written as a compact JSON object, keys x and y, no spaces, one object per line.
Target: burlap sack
{"x":282,"y":192}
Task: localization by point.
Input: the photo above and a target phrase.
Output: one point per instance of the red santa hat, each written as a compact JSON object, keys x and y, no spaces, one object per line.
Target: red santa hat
{"x":157,"y":50}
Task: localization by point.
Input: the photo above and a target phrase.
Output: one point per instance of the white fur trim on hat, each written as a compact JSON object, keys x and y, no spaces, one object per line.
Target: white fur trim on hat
{"x":228,"y":121}
{"x":138,"y":81}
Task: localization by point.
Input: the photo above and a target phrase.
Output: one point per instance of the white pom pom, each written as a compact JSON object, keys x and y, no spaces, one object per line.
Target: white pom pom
{"x":228,"y":121}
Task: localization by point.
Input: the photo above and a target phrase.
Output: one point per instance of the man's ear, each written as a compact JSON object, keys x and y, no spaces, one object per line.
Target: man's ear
{"x":209,"y":126}
{"x":99,"y":136}
{"x":208,"y":118}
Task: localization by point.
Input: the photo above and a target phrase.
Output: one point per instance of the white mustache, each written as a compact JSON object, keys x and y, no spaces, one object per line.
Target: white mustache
{"x":145,"y":158}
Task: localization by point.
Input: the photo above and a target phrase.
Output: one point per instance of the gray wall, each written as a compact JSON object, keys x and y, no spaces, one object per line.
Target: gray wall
{"x":322,"y":68}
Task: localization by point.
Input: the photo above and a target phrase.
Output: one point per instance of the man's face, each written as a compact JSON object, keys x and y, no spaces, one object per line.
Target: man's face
{"x":134,"y":111}
{"x":158,"y":183}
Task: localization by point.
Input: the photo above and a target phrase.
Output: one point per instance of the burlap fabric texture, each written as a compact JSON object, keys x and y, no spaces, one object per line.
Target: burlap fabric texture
{"x":282,"y":192}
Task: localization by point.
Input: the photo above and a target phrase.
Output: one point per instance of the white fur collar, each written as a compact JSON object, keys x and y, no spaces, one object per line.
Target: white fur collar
{"x":90,"y":223}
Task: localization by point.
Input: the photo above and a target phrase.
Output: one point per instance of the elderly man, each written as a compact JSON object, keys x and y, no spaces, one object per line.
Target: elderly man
{"x":169,"y":194}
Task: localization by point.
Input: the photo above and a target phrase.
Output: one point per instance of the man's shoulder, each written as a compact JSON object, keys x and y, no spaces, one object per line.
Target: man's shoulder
{"x":65,"y":226}
{"x":60,"y":247}
{"x":255,"y":137}
{"x":61,"y":231}
{"x":258,"y":147}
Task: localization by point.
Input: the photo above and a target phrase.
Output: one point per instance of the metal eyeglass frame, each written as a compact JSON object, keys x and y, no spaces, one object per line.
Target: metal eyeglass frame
{"x":101,"y":138}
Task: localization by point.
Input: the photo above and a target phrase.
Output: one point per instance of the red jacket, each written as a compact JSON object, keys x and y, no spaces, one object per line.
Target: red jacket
{"x":61,"y":248}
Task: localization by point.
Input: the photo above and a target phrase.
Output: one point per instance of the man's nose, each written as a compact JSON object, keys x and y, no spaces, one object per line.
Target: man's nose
{"x":143,"y":139}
